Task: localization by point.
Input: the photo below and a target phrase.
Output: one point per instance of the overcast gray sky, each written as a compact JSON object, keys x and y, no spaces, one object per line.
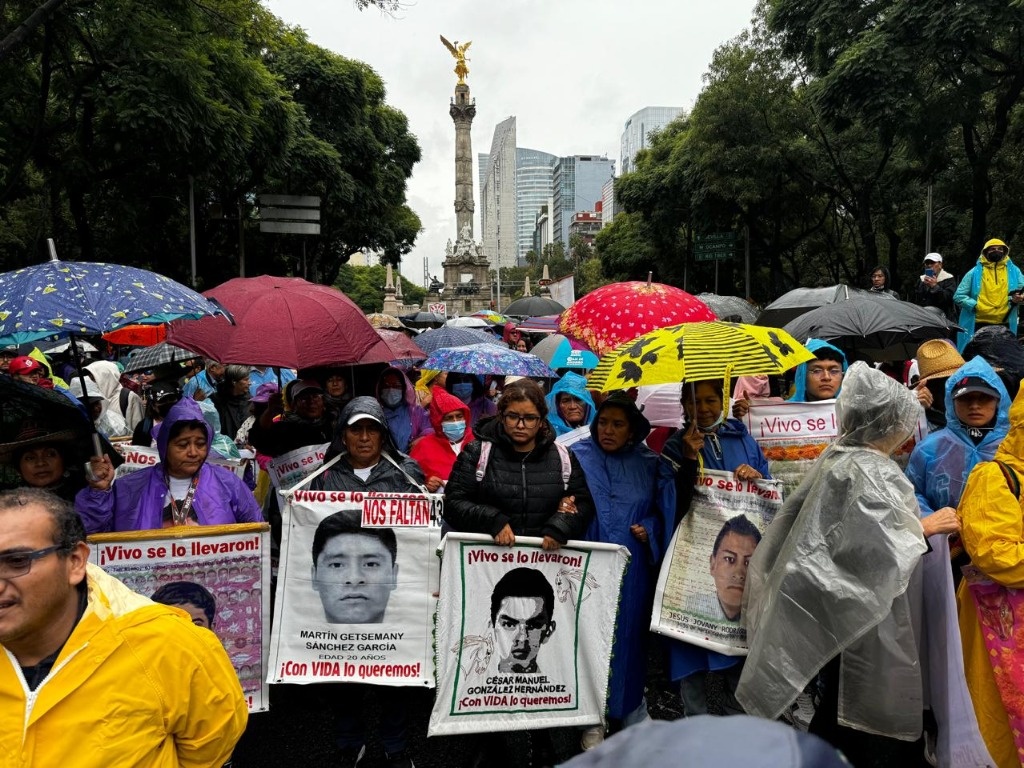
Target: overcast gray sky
{"x":571,"y":72}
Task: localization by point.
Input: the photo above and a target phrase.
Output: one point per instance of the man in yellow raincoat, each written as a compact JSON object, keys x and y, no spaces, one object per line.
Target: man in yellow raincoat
{"x":93,"y":675}
{"x":992,"y":530}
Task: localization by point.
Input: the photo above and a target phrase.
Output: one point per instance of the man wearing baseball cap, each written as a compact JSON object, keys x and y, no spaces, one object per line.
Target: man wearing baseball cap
{"x":26,"y":369}
{"x":990,"y":293}
{"x":936,"y":285}
{"x":305,"y":423}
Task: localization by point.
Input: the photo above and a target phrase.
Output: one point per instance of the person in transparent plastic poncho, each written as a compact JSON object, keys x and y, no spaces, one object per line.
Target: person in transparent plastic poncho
{"x":830,"y":589}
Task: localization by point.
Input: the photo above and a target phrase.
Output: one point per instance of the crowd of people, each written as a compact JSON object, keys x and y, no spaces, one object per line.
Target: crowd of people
{"x":831,"y":596}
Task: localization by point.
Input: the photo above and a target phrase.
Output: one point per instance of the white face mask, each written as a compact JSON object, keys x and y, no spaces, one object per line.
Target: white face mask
{"x":391,"y":397}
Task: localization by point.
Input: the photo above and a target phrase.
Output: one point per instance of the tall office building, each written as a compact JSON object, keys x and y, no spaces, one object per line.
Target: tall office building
{"x":579,"y":182}
{"x":498,"y":226}
{"x":483,"y":163}
{"x":535,"y":174}
{"x":636,"y":134}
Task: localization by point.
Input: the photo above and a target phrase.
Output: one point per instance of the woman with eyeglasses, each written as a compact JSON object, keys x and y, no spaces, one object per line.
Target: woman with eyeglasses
{"x":529,"y":486}
{"x":711,"y":440}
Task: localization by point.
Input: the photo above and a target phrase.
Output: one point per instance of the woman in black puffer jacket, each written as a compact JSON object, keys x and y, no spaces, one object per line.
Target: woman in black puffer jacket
{"x":523,"y":490}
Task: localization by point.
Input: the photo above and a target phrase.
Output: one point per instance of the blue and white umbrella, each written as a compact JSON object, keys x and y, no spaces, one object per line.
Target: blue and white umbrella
{"x":488,"y":359}
{"x":64,"y":298}
{"x":429,"y":341}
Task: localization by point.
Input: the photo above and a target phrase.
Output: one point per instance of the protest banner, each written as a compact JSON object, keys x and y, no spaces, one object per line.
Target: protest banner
{"x":524,"y":635}
{"x":356,"y":588}
{"x":138,"y":457}
{"x":289,"y":468}
{"x":219,"y":574}
{"x":793,"y":436}
{"x":700,"y":586}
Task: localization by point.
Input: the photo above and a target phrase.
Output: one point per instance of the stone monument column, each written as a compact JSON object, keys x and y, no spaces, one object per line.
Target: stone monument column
{"x":462,"y":111}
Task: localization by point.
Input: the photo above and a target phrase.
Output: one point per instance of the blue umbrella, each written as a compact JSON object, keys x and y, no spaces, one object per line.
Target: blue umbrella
{"x":488,"y":358}
{"x":64,"y":298}
{"x":451,"y":336}
{"x":558,"y":352}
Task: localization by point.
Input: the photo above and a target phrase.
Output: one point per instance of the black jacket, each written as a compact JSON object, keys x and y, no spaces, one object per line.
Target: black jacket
{"x":289,"y":433}
{"x":940,"y":295}
{"x":384,"y":478}
{"x":521,"y":490}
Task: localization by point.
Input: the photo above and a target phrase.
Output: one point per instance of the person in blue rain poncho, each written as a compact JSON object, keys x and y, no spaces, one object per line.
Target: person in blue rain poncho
{"x":570,"y":405}
{"x":634,"y":494}
{"x":818,"y":379}
{"x":978,"y":418}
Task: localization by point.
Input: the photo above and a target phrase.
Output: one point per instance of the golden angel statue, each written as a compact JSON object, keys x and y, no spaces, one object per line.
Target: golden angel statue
{"x":459,"y":52}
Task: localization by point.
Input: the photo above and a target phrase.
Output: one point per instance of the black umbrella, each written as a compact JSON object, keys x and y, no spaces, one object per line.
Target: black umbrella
{"x":159,"y":354}
{"x":878,"y":327}
{"x":731,"y":308}
{"x":531,"y":306}
{"x":30,"y":414}
{"x":791,"y":305}
{"x":424,"y":320}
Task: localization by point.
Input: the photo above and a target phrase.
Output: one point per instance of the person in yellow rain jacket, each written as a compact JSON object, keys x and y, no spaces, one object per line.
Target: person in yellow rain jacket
{"x":93,"y":675}
{"x":992,"y":530}
{"x":990,"y":293}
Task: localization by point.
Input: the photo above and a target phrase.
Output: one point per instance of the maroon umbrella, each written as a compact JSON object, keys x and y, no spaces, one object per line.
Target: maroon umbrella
{"x":394,"y":346}
{"x":279,"y":321}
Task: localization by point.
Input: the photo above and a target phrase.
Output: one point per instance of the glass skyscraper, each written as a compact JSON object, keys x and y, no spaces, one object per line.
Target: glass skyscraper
{"x":638,"y":129}
{"x":579,"y":181}
{"x":535,"y":173}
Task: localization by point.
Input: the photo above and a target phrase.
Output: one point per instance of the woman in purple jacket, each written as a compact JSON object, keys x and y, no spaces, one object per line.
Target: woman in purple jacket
{"x":183,"y":489}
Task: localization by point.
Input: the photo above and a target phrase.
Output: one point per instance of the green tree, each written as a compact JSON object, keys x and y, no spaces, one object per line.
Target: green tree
{"x":365,"y":286}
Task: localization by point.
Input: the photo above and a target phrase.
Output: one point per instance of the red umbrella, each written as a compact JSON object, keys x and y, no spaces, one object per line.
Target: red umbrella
{"x":280,"y":321}
{"x":137,"y":335}
{"x":394,"y":346}
{"x":619,"y":312}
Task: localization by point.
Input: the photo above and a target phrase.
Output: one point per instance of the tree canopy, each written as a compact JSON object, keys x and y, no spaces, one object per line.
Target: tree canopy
{"x":113,"y":112}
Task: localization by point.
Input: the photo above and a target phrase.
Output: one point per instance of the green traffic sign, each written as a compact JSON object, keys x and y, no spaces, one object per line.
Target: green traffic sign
{"x":719,"y":246}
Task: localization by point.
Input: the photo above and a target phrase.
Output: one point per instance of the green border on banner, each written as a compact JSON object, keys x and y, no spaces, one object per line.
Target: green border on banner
{"x":462,"y":634}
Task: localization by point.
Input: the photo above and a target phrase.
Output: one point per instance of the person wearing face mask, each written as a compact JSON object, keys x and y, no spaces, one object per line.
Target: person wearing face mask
{"x":436,"y":453}
{"x":406,"y":419}
{"x":470,"y":391}
{"x":710,"y":440}
{"x":990,"y":293}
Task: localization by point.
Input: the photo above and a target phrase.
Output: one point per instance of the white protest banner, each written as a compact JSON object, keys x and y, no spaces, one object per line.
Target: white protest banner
{"x":524,"y":635}
{"x":138,"y":457}
{"x":356,"y":588}
{"x":220,"y":574}
{"x":793,"y":435}
{"x":700,"y":586}
{"x":289,"y":468}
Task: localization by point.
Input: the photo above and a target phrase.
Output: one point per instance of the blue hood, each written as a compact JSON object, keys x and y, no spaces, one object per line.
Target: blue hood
{"x":185,"y":409}
{"x":575,"y":385}
{"x":800,"y":393}
{"x":979,"y":367}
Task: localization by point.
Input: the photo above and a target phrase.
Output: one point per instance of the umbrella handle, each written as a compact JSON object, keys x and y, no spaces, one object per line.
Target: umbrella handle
{"x":97,"y":445}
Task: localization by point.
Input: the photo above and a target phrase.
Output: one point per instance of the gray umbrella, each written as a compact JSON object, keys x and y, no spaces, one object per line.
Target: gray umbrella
{"x":799,"y":300}
{"x":450,"y":336}
{"x":731,"y":308}
{"x":157,"y":355}
{"x":532,"y":306}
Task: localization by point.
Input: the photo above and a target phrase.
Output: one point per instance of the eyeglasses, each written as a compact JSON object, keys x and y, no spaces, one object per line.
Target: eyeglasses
{"x":526,"y":419}
{"x":14,"y":564}
{"x":819,"y":372}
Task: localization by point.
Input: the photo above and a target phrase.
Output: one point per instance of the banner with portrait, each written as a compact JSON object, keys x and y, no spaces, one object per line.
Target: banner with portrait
{"x":524,"y":635}
{"x":218,"y":574}
{"x":356,"y":588}
{"x":700,"y":587}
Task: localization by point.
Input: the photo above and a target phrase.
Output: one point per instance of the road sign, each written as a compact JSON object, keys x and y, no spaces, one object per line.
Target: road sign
{"x":438,"y":308}
{"x":718,"y":246}
{"x":290,"y":214}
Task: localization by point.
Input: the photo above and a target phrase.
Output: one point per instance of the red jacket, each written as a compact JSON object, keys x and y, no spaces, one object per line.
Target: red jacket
{"x":434,"y":452}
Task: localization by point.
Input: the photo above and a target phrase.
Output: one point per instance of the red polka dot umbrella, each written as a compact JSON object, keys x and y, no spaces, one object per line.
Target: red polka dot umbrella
{"x":620,"y":312}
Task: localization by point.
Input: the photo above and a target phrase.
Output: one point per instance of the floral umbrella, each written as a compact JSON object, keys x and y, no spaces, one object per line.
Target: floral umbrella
{"x":698,"y":352}
{"x":616,"y":313}
{"x":380,"y":320}
{"x":488,"y":359}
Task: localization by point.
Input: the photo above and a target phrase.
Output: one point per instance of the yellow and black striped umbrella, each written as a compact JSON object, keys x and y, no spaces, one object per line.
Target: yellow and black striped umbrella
{"x":698,"y":352}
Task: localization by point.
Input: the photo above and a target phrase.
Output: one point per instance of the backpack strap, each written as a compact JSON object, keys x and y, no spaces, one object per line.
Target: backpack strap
{"x":485,"y":456}
{"x":563,"y":458}
{"x":123,"y":396}
{"x":1011,"y":478}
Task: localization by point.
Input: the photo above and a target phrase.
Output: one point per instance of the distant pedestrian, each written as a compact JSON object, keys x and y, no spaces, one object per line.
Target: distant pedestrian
{"x":880,"y":282}
{"x":935,"y":286}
